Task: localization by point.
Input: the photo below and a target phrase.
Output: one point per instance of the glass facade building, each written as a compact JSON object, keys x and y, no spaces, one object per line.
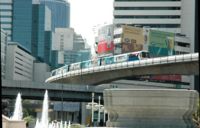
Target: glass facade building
{"x":77,"y":56}
{"x":22,"y":22}
{"x":3,"y":52}
{"x":6,"y":16}
{"x":41,"y":33}
{"x":32,"y":28}
{"x":60,"y":10}
{"x":60,"y":18}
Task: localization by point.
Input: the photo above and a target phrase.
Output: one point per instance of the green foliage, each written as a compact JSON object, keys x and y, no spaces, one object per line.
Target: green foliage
{"x":28,"y":119}
{"x":77,"y":126}
{"x":196,"y":115}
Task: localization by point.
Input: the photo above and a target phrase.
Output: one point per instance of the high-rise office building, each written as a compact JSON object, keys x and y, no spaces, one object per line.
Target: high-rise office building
{"x":31,"y":28}
{"x":177,"y":16}
{"x":22,"y":23}
{"x":63,"y":41}
{"x":60,"y":13}
{"x":76,"y":56}
{"x":41,"y":33}
{"x":160,"y":14}
{"x":4,"y":37}
{"x":6,"y":16}
{"x":79,"y":42}
{"x":60,"y":18}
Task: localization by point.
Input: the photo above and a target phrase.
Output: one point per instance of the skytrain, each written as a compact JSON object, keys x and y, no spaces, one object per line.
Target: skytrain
{"x":100,"y":61}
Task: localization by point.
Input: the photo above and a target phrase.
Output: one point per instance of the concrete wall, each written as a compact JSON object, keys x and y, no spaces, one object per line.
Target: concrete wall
{"x":41,"y":72}
{"x":7,"y":123}
{"x":19,"y":63}
{"x":150,"y":108}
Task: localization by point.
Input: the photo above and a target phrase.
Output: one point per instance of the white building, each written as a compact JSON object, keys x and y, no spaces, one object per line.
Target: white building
{"x":177,"y":16}
{"x":161,"y":14}
{"x":3,"y":52}
{"x":79,"y":42}
{"x":6,"y":16}
{"x":19,"y":63}
{"x":63,"y":39}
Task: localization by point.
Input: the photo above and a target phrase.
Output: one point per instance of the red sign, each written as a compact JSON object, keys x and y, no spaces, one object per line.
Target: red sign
{"x":166,"y":78}
{"x":105,"y":47}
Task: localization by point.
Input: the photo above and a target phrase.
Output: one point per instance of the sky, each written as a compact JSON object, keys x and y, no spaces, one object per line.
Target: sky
{"x":86,"y":14}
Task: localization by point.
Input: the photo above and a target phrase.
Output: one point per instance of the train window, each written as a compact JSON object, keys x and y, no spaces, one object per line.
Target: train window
{"x":133,"y":57}
{"x":65,"y":69}
{"x":53,"y":73}
{"x":145,"y":55}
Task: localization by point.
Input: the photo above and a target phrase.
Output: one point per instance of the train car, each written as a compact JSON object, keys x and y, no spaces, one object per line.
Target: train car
{"x":53,"y":72}
{"x":103,"y":60}
{"x":140,"y":55}
{"x":107,"y":60}
{"x":75,"y":66}
{"x":95,"y":62}
{"x":86,"y":64}
{"x":120,"y":58}
{"x":65,"y":68}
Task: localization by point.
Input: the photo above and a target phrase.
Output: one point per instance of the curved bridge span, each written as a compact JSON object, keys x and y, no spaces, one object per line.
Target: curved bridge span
{"x":186,"y":64}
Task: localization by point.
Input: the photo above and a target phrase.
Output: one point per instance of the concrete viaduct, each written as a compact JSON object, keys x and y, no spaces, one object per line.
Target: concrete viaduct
{"x":56,"y":92}
{"x":186,"y":64}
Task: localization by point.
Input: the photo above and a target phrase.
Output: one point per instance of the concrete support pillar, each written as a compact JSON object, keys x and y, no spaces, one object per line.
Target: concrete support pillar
{"x":83,"y":113}
{"x":150,"y":108}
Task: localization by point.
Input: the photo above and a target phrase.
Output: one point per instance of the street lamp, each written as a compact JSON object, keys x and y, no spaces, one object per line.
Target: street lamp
{"x":62,"y":97}
{"x":104,"y":114}
{"x":99,"y":106}
{"x":92,"y":106}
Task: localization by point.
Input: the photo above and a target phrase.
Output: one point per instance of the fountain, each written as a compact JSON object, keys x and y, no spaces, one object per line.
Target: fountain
{"x":37,"y":124}
{"x":69,"y":125}
{"x":18,"y":114}
{"x":44,"y":123}
{"x":45,"y":108}
{"x":61,"y":124}
{"x":16,"y":120}
{"x":44,"y":119}
{"x":65,"y":125}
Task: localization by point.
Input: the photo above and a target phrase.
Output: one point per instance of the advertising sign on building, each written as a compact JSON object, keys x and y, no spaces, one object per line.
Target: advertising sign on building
{"x":104,"y":47}
{"x":105,"y":38}
{"x":132,"y":39}
{"x":161,"y":43}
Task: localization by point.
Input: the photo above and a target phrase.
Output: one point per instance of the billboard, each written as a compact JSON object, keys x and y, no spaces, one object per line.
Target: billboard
{"x":132,"y":39}
{"x":161,"y":43}
{"x":105,"y":40}
{"x":104,"y":47}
